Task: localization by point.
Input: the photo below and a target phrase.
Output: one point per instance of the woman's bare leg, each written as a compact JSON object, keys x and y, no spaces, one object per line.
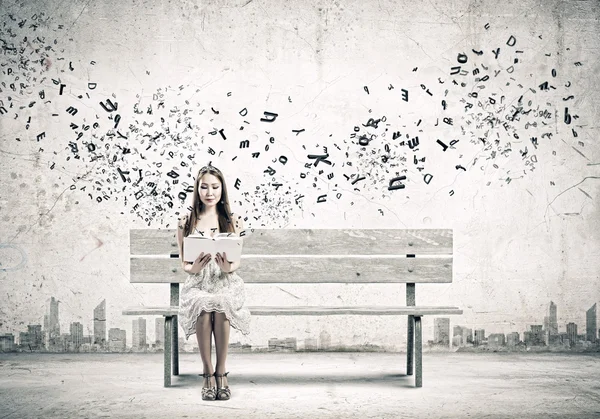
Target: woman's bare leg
{"x":203,"y":334}
{"x":221,"y":330}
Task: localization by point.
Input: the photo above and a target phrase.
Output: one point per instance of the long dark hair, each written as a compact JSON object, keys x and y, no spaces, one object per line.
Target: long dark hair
{"x":223,"y":210}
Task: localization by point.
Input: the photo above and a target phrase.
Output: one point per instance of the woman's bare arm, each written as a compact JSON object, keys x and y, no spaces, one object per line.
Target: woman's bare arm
{"x":238,"y":226}
{"x":181,"y":225}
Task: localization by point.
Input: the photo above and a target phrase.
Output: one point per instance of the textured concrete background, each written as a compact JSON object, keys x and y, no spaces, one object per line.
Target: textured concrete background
{"x":518,"y":245}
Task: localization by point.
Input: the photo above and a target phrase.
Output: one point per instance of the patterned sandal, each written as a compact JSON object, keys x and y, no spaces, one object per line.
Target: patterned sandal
{"x":208,"y":393}
{"x":223,"y":393}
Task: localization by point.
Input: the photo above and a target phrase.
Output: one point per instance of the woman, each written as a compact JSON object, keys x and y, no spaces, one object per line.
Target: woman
{"x":212,"y":297}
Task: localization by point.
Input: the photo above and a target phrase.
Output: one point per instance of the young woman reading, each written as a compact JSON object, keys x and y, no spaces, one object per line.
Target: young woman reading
{"x":212,"y":297}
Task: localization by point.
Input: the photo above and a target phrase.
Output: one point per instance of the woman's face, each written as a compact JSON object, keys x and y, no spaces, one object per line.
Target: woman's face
{"x":210,"y":190}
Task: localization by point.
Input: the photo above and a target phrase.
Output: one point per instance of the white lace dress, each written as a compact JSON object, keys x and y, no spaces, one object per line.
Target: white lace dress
{"x":213,"y":290}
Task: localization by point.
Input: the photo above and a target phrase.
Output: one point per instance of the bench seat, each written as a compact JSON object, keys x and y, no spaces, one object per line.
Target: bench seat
{"x":310,"y":310}
{"x":311,"y":257}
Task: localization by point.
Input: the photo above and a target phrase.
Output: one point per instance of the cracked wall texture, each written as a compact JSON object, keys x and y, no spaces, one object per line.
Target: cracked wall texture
{"x":522,"y":237}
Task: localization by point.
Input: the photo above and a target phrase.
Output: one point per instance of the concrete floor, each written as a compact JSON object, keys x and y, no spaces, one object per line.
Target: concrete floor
{"x":304,"y":385}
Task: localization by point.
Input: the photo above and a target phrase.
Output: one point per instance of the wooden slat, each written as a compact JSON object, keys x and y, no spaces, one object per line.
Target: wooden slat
{"x":307,"y":270}
{"x":371,"y":310}
{"x":311,"y":310}
{"x":312,"y":242}
{"x":151,"y":310}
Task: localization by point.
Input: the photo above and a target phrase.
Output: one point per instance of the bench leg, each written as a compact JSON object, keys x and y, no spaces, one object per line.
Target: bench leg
{"x":167,"y":350}
{"x":410,"y":330}
{"x":410,"y":343}
{"x":175,"y":302}
{"x":175,"y":347}
{"x":418,"y":353}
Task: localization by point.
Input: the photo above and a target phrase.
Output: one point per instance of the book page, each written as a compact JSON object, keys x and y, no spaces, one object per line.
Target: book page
{"x":194,"y":245}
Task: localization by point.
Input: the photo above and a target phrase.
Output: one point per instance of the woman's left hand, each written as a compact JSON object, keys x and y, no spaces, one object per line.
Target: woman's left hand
{"x":223,"y":263}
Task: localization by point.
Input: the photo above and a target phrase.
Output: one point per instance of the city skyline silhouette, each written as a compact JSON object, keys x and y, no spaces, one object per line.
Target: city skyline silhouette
{"x":49,"y":338}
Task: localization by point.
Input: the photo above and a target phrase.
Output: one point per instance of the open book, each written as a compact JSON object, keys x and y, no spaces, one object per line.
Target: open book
{"x":194,"y":244}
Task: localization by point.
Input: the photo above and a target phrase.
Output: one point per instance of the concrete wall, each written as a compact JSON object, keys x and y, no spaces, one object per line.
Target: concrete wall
{"x":525,"y":225}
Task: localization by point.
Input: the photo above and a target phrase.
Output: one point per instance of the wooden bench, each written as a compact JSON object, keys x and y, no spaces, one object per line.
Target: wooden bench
{"x":309,"y":256}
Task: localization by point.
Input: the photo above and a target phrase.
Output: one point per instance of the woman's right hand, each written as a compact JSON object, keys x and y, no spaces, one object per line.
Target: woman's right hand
{"x":200,"y":262}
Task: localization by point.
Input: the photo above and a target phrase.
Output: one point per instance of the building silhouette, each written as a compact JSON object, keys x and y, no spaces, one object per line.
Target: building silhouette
{"x":479,"y":337}
{"x":512,"y":339}
{"x":534,"y":336}
{"x":238,"y":347}
{"x":138,"y":341}
{"x":100,"y":324}
{"x":324,"y":341}
{"x":496,"y":339}
{"x":310,"y":344}
{"x":33,"y":339}
{"x":117,"y":340}
{"x":7,"y":342}
{"x":76,"y":330}
{"x":287,"y":344}
{"x":468,"y":335}
{"x":572,"y":333}
{"x":63,"y":343}
{"x":457,"y":341}
{"x":159,"y":330}
{"x":550,"y":324}
{"x":462,"y":336}
{"x":52,"y":325}
{"x":441,"y":331}
{"x":590,"y":324}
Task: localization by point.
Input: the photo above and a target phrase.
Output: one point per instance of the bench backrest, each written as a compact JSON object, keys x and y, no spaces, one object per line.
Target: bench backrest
{"x":306,"y":255}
